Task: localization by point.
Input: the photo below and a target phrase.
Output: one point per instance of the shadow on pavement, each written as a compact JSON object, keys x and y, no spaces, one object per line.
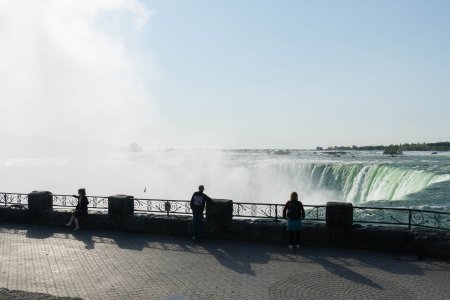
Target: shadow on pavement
{"x":384,"y":261}
{"x":38,"y":232}
{"x":238,"y":256}
{"x":86,"y":238}
{"x":43,"y":232}
{"x":131,"y":241}
{"x":390,"y":264}
{"x":342,"y":271}
{"x":234,"y":258}
{"x":22,"y":295}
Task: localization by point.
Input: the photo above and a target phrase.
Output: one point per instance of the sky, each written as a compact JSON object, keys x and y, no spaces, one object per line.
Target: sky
{"x":100,"y":74}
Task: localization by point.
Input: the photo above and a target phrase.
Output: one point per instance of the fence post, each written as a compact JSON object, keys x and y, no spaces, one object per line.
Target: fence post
{"x":5,"y":199}
{"x":317,"y":213}
{"x":409,"y":219}
{"x":40,"y":202}
{"x":276,"y":212}
{"x":167,"y":207}
{"x":220,"y":210}
{"x":120,"y":205}
{"x":339,"y":215}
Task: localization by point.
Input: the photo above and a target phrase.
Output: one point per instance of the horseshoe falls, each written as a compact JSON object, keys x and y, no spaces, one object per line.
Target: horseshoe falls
{"x":359,"y":183}
{"x":364,"y":178}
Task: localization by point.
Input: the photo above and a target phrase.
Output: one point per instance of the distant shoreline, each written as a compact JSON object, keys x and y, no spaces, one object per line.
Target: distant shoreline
{"x":439,"y":146}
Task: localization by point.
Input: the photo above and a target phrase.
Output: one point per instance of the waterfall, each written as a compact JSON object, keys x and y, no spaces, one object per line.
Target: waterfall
{"x":359,"y":183}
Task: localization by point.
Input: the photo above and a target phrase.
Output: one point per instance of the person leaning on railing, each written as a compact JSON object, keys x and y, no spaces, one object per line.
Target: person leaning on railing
{"x":81,"y":209}
{"x":294,"y":213}
{"x":198,"y":203}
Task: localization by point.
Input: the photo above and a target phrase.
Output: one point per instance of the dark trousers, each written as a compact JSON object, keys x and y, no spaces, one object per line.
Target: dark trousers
{"x":294,"y":234}
{"x":197,"y":224}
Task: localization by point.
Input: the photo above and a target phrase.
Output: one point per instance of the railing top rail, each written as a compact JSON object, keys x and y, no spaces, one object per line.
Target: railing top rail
{"x":403,"y":209}
{"x":430,"y":211}
{"x":279,"y":204}
{"x":382,"y":208}
{"x":91,"y":196}
{"x":173,"y":200}
{"x":61,"y":195}
{"x":22,"y":194}
{"x":156,"y":199}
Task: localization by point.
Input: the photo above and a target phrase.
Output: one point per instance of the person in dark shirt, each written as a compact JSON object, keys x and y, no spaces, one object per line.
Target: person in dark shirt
{"x":198,"y":203}
{"x":294,"y":213}
{"x":81,"y":209}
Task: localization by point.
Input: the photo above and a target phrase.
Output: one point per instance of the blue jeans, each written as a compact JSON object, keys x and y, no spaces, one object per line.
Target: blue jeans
{"x":197,"y":224}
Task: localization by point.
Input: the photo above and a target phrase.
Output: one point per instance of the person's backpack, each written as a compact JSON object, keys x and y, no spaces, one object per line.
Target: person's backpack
{"x":294,"y":210}
{"x":198,"y":200}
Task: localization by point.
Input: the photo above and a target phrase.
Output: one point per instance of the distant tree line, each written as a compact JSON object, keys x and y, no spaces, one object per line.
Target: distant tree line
{"x":393,"y":150}
{"x":398,"y":149}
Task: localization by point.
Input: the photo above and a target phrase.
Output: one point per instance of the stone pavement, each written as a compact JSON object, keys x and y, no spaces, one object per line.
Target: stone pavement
{"x":117,"y":265}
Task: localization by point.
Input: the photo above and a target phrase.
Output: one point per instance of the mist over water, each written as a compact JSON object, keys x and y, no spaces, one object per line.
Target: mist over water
{"x":364,"y":178}
{"x":70,"y":85}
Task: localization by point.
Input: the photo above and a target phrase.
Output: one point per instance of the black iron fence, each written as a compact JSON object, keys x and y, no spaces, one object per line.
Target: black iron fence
{"x":369,"y":215}
{"x":95,"y":202}
{"x":180,"y":207}
{"x":274,"y":211}
{"x":402,"y":216}
{"x":13,"y":199}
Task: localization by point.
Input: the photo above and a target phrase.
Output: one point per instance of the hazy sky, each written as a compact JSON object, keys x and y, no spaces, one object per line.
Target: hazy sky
{"x":224,"y":74}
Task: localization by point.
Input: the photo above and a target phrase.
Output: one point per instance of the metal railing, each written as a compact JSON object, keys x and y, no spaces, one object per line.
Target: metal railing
{"x":59,"y":201}
{"x":275,"y":211}
{"x":402,"y":217}
{"x":368,"y":215}
{"x":14,"y":199}
{"x":95,"y":202}
{"x":240,"y":210}
{"x":178,"y":207}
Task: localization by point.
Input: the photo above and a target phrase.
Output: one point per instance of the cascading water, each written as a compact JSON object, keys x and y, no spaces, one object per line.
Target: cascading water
{"x":359,"y":183}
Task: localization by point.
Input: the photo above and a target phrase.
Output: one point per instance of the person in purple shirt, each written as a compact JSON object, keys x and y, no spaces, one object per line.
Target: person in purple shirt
{"x":198,"y":203}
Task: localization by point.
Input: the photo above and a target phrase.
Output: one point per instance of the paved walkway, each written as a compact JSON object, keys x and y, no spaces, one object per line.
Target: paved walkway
{"x":116,"y":265}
